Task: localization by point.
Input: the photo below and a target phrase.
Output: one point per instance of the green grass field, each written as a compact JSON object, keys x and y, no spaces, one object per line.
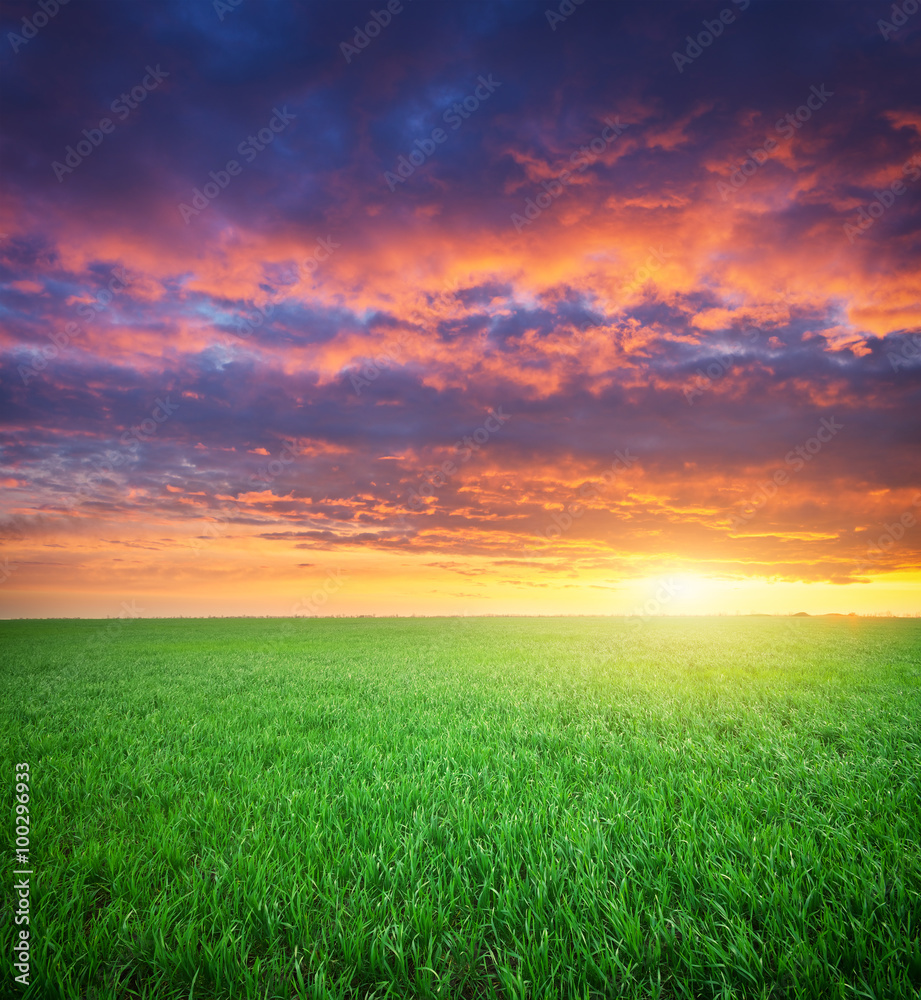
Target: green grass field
{"x":572,"y":808}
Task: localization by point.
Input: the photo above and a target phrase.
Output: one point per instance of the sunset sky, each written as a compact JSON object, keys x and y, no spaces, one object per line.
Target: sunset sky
{"x":611,"y":309}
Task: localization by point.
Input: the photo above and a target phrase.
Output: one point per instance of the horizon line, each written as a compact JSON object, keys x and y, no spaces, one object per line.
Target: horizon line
{"x":747,"y":614}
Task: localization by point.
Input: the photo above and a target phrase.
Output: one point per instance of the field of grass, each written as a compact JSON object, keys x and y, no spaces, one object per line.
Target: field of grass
{"x":504,"y":808}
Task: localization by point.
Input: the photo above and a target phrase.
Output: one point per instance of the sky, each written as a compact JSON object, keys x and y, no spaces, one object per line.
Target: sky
{"x":425,"y":307}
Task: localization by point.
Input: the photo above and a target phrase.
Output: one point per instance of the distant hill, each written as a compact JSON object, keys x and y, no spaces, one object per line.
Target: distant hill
{"x":828,"y":614}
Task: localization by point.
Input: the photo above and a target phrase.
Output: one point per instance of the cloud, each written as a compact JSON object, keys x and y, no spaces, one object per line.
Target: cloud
{"x":589,"y":326}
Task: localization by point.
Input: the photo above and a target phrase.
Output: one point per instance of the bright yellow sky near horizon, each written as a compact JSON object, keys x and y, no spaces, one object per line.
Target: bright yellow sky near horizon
{"x":361,"y":584}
